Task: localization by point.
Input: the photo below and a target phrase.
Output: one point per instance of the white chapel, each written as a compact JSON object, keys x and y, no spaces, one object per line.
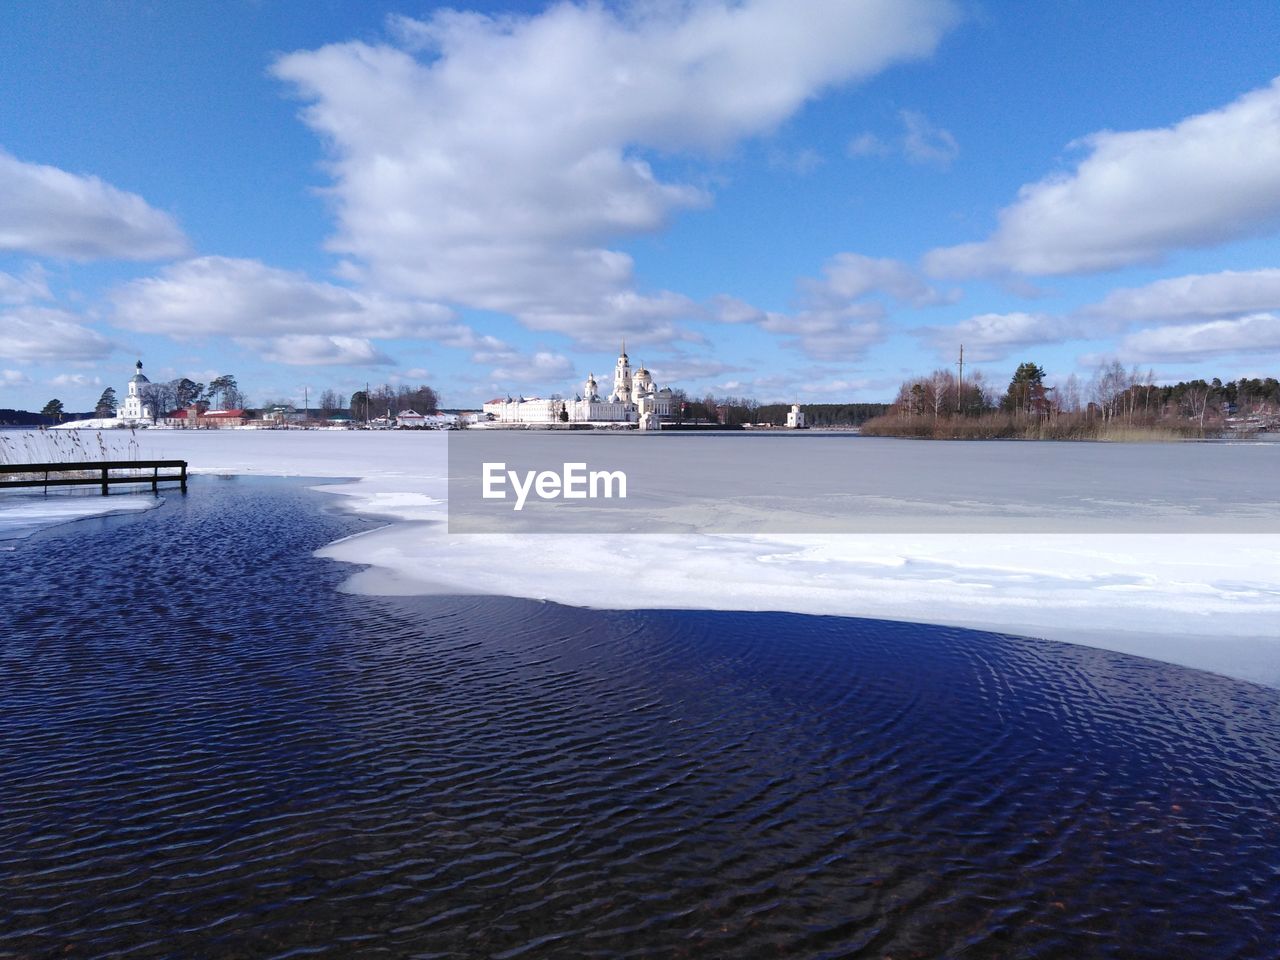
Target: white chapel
{"x":134,"y":409}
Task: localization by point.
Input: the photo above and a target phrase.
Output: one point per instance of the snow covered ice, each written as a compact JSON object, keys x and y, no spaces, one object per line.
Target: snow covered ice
{"x":1205,"y":600}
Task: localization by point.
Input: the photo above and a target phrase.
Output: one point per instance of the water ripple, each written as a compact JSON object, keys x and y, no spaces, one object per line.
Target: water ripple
{"x":209,"y":751}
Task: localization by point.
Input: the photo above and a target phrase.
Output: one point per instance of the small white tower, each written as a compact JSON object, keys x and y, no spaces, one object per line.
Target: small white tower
{"x":622,"y":378}
{"x":590,"y":389}
{"x":133,"y":409}
{"x":795,"y":418}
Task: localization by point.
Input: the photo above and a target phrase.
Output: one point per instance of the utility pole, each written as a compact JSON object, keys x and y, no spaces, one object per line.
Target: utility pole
{"x":960,"y":382}
{"x":306,"y":404}
{"x":366,"y":403}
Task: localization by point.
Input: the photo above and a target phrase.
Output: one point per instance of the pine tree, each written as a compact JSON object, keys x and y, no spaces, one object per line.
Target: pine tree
{"x":106,"y":403}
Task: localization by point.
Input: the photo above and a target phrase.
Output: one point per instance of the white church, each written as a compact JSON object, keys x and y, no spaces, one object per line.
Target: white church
{"x":635,"y":399}
{"x":134,"y":410}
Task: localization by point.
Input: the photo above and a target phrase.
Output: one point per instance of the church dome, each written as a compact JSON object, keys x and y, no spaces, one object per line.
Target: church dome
{"x":138,"y":377}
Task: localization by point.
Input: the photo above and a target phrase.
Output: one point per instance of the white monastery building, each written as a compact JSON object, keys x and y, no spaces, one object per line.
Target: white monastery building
{"x":635,"y":398}
{"x":133,"y":410}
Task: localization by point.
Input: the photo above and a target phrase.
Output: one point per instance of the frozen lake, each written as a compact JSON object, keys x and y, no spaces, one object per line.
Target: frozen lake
{"x":1208,"y":600}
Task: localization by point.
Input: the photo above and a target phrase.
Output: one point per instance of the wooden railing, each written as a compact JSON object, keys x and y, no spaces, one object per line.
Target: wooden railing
{"x":103,"y":473}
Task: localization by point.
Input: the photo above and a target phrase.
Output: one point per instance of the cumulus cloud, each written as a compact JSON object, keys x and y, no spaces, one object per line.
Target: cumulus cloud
{"x":852,"y":276}
{"x":13,"y":378}
{"x":27,"y":288}
{"x":491,"y":161}
{"x":1211,"y":178}
{"x":49,"y":212}
{"x":841,"y":313}
{"x":823,"y":332}
{"x":680,"y":370}
{"x":543,"y":367}
{"x":75,"y":380}
{"x":993,"y":336}
{"x":1254,"y":334}
{"x":31,"y":333}
{"x":233,"y":297}
{"x":1193,"y":297}
{"x":316,"y":350}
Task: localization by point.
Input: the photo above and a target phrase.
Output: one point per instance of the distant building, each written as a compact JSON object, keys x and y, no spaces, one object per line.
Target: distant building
{"x":194,"y":418}
{"x":134,"y":410}
{"x":222,"y":419}
{"x":795,"y":418}
{"x":412,"y":420}
{"x":635,"y":398}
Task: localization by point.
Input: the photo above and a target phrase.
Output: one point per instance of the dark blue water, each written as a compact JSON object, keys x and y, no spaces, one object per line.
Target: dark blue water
{"x":208,"y":751}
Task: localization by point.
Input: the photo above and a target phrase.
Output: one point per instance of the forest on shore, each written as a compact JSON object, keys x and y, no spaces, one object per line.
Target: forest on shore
{"x":1116,"y":404}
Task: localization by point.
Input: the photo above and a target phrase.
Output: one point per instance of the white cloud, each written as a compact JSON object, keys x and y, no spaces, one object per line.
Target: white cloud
{"x":822,"y":332}
{"x":13,"y":378}
{"x":1251,"y":335}
{"x":868,"y":145}
{"x":75,"y":380}
{"x":678,"y":371}
{"x":1193,"y":297}
{"x":926,"y":143}
{"x":316,"y":350}
{"x":29,"y":333}
{"x":993,"y":336}
{"x":1139,"y":194}
{"x":49,"y":212}
{"x":29,"y":287}
{"x":837,"y":318}
{"x":491,"y":161}
{"x":225,"y":296}
{"x":921,"y":142}
{"x":543,"y":367}
{"x":852,"y":276}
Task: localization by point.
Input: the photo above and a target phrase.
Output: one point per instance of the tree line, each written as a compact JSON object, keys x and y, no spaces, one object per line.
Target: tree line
{"x":164,"y":396}
{"x":224,"y":393}
{"x":734,"y":411}
{"x":385,"y":400}
{"x":941,"y":404}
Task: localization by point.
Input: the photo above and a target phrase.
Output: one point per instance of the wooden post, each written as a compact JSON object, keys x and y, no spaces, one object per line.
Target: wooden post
{"x":184,"y":476}
{"x":104,"y":481}
{"x":155,"y":479}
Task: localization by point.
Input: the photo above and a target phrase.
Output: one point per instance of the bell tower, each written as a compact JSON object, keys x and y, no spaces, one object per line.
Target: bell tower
{"x":622,"y":378}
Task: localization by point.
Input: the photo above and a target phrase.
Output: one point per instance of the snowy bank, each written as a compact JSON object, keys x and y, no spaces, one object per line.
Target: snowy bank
{"x":1210,"y":601}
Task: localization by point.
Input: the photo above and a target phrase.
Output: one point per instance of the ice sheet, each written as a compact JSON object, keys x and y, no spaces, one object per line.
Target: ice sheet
{"x":1204,"y":600}
{"x":23,"y":514}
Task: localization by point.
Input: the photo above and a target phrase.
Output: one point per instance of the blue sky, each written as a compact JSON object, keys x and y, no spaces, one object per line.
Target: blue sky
{"x":786,"y":199}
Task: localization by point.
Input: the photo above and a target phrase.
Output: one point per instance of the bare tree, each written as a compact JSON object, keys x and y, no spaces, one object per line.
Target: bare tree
{"x":160,"y":397}
{"x":941,"y":391}
{"x":1195,"y":400}
{"x":1108,"y":386}
{"x":1068,"y":395}
{"x":331,"y":401}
